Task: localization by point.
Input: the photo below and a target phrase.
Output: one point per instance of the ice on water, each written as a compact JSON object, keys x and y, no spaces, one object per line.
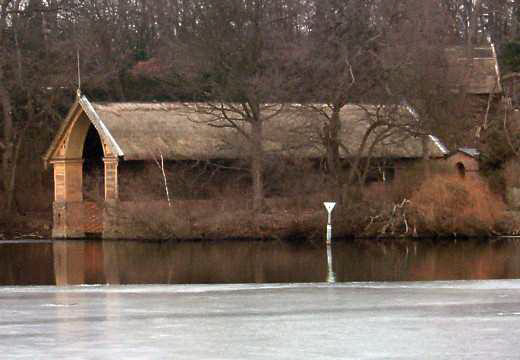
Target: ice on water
{"x":449,"y":319}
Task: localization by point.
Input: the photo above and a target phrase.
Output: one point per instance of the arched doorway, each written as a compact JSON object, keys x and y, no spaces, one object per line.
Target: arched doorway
{"x":461,"y":170}
{"x":79,"y":181}
{"x":93,"y":167}
{"x":85,"y":159}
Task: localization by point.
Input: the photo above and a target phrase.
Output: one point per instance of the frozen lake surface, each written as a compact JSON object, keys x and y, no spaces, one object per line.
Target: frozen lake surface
{"x":434,"y":320}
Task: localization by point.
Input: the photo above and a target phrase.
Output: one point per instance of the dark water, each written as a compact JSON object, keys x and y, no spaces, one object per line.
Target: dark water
{"x":130,"y":262}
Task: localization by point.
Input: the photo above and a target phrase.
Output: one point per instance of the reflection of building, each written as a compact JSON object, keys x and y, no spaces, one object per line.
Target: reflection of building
{"x":118,"y":262}
{"x":78,"y":263}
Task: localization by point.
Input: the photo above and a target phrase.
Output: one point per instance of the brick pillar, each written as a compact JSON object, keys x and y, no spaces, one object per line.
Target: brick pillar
{"x":111,"y":188}
{"x":68,"y":199}
{"x":68,"y":180}
{"x":110,"y":211}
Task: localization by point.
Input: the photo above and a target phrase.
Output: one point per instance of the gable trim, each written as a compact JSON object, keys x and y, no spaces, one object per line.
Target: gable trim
{"x":82,"y":104}
{"x":100,"y":126}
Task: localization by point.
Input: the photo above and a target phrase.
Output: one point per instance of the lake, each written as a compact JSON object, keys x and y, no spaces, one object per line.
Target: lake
{"x":235,"y":262}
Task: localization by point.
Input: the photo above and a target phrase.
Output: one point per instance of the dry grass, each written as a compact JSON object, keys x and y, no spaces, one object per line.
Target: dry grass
{"x":410,"y":178}
{"x":447,"y":204}
{"x":216,"y":219}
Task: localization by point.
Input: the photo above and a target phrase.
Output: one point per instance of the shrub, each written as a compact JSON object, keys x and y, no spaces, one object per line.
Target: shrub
{"x":447,"y":205}
{"x":151,"y":220}
{"x":409,"y":179}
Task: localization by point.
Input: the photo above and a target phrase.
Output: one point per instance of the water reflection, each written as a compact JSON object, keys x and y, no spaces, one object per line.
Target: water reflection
{"x":26,"y":263}
{"x":495,"y":259}
{"x":331,"y":275}
{"x":186,"y":263}
{"x":127,"y":262}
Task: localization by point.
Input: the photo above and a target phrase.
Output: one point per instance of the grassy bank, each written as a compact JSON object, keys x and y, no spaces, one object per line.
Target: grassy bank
{"x":441,"y":205}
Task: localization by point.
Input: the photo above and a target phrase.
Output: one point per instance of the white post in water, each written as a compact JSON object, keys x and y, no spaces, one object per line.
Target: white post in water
{"x":329,"y":206}
{"x":331,"y":276}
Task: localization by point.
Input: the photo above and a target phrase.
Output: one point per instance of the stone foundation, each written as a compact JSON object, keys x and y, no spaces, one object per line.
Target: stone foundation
{"x":111,"y":226}
{"x":73,"y":220}
{"x":68,"y":220}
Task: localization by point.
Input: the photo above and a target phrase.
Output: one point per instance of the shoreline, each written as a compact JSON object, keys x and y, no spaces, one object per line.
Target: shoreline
{"x":292,"y":227}
{"x":46,"y":237}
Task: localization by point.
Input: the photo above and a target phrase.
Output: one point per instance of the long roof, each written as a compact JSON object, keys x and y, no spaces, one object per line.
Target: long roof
{"x":142,"y":131}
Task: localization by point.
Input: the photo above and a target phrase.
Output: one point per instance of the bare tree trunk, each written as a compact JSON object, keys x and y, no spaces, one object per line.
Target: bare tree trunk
{"x":332,"y":134}
{"x":426,"y":154}
{"x":333,"y":160}
{"x":160,"y":164}
{"x":514,"y":21}
{"x":257,"y":164}
{"x":11,"y":192}
{"x":119,"y":88}
{"x":8,"y":140}
{"x":12,"y":150}
{"x":473,"y":29}
{"x":359,"y":155}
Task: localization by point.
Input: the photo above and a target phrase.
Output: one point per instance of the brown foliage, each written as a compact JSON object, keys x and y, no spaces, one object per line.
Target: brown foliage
{"x":510,"y":173}
{"x":447,"y":205}
{"x":409,"y":178}
{"x":219,"y":218}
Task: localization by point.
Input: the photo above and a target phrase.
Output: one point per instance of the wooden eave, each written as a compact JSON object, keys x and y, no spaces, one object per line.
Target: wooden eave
{"x":81,"y":104}
{"x":100,"y":126}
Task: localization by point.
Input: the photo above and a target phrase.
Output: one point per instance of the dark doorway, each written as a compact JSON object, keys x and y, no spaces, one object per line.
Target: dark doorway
{"x":461,"y":170}
{"x":93,"y":167}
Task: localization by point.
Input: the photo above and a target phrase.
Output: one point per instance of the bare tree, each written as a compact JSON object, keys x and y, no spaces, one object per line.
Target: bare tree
{"x":233,"y":59}
{"x":338,"y":66}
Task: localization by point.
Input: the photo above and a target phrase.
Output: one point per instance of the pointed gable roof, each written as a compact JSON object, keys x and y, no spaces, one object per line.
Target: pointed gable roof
{"x":81,"y":105}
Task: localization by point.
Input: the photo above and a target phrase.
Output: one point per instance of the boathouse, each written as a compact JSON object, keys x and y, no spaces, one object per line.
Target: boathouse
{"x":132,"y":133}
{"x":127,"y":134}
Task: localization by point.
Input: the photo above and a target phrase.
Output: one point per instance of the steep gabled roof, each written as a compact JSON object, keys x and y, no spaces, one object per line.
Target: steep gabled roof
{"x":100,"y":126}
{"x":81,"y":105}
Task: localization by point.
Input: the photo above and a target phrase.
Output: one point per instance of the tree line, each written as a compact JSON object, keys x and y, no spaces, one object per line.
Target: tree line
{"x":236,"y":56}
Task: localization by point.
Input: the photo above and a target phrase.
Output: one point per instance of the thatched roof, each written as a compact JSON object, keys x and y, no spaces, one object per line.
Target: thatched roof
{"x":142,"y":131}
{"x":478,"y":73}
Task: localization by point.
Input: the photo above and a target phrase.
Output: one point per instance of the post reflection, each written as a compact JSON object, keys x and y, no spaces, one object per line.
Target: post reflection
{"x":331,"y":275}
